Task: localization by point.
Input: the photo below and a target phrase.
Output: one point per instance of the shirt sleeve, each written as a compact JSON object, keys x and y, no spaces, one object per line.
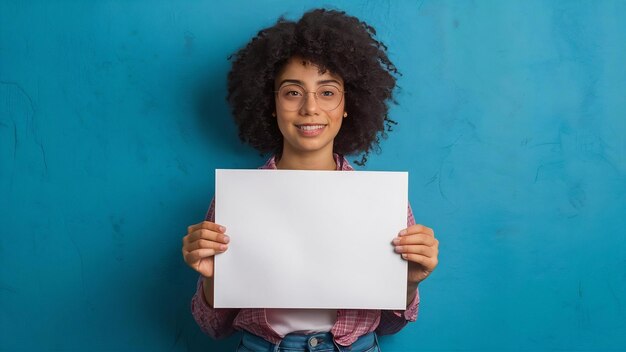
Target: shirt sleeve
{"x":210,"y":214}
{"x":215,"y":322}
{"x":392,"y":321}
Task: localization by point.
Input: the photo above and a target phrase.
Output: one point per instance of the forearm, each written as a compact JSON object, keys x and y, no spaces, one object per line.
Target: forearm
{"x":207,"y":285}
{"x":411,"y":291}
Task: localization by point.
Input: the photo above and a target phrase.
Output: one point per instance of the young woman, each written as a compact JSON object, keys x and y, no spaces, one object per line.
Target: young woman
{"x":309,"y":92}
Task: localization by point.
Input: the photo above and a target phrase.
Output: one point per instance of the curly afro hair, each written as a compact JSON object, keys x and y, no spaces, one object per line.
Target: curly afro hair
{"x":331,"y":40}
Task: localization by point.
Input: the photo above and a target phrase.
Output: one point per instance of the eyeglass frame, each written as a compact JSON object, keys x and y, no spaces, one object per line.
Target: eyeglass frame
{"x":343,"y":94}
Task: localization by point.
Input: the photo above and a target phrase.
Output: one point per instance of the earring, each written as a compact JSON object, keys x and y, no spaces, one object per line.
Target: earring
{"x":345,"y":114}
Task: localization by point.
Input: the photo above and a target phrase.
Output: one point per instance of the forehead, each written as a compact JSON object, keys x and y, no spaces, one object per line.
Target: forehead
{"x":303,"y":70}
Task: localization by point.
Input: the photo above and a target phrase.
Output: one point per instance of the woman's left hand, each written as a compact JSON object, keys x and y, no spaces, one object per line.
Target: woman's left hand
{"x":420,"y":248}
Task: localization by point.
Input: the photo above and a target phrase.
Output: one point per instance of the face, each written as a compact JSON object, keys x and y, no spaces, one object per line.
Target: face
{"x":313,"y":126}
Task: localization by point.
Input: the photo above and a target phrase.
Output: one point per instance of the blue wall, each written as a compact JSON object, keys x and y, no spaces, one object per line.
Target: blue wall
{"x":511,"y":124}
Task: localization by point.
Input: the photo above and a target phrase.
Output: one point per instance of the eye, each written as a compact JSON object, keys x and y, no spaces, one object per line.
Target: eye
{"x":328,"y":92}
{"x":293,"y":93}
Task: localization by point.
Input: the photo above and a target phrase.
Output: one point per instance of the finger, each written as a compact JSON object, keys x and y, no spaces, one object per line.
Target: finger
{"x":208,"y":235}
{"x":419,"y":238}
{"x":194,"y":256}
{"x":426,"y":251}
{"x":199,"y":244}
{"x":417,"y":228}
{"x":426,"y":262}
{"x":206,"y":225}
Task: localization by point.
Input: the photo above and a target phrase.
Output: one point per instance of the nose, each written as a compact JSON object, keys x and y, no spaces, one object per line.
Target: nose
{"x":309,"y":105}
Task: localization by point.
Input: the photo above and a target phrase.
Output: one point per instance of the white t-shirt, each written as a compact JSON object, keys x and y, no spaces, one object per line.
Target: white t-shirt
{"x":303,"y":321}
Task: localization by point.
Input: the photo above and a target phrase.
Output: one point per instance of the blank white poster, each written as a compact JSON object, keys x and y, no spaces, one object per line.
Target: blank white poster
{"x":310,"y":239}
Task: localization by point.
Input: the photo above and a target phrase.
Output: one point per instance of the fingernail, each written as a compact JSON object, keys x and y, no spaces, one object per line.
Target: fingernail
{"x":404,"y":255}
{"x":398,"y":248}
{"x":396,"y":241}
{"x":402,"y":233}
{"x":222,"y":229}
{"x":223,"y":247}
{"x":226,"y":239}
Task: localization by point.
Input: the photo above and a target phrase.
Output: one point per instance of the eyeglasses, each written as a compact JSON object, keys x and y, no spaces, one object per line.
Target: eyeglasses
{"x":291,"y":97}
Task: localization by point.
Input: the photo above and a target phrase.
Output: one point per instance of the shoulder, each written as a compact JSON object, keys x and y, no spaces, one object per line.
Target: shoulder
{"x":342,"y":163}
{"x":270,"y":163}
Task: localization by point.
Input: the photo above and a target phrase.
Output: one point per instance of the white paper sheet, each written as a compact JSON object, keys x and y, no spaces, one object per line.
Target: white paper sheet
{"x":310,"y":239}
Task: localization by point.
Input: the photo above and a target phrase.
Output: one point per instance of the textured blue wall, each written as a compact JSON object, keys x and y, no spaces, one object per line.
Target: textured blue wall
{"x":511,"y":123}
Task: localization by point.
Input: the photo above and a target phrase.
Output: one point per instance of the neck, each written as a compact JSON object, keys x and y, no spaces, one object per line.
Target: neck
{"x":294,"y":160}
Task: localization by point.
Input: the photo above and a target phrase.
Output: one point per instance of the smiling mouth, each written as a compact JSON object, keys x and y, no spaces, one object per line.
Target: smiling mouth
{"x":310,"y":127}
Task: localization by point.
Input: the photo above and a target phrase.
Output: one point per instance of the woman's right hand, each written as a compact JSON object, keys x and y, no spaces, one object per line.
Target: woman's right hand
{"x":203,"y":241}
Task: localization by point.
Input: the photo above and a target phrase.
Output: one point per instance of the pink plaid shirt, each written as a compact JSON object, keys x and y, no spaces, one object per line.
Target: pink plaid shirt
{"x":350,"y":324}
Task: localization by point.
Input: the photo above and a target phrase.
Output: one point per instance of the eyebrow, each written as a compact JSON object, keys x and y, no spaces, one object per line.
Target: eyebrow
{"x":295,"y":81}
